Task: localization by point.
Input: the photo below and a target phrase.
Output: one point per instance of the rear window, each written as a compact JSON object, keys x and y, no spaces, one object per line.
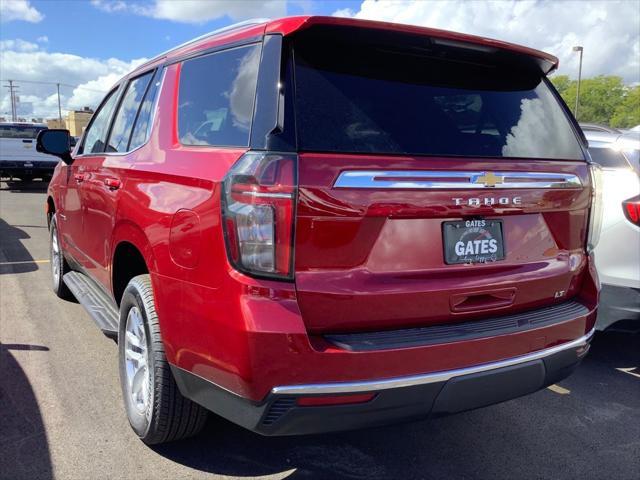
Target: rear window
{"x":608,"y":157}
{"x":20,"y":131}
{"x":416,"y":97}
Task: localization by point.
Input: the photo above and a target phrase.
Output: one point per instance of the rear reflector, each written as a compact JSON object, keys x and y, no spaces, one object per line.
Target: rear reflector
{"x":631,"y":210}
{"x":335,"y":400}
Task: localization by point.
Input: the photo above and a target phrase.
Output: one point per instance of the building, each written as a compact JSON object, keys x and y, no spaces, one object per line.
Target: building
{"x":77,"y":120}
{"x":55,"y":123}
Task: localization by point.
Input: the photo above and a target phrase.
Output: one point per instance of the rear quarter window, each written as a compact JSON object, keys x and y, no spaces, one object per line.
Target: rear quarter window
{"x":216,"y":97}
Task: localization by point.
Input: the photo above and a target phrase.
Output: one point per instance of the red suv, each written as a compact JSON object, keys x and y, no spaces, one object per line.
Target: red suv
{"x":315,"y":224}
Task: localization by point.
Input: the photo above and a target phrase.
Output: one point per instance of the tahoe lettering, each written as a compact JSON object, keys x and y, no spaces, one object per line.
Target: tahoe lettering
{"x":487,"y":201}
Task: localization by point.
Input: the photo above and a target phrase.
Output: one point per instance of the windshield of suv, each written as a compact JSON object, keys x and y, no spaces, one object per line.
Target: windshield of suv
{"x":20,"y":131}
{"x":424,"y":99}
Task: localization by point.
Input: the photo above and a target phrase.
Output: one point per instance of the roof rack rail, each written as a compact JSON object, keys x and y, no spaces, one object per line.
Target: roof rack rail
{"x":228,"y":28}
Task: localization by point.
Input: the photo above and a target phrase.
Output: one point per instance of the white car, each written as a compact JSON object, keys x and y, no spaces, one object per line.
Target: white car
{"x":617,"y":254}
{"x":18,"y":155}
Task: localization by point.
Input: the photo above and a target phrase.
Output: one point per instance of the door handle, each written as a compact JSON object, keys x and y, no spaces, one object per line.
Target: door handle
{"x":112,"y":183}
{"x":79,"y":177}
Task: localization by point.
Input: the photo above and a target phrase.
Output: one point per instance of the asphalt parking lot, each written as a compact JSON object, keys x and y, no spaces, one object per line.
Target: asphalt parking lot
{"x":61,"y":414}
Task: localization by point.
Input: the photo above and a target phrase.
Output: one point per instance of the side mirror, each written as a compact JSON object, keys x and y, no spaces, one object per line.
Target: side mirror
{"x":55,"y":142}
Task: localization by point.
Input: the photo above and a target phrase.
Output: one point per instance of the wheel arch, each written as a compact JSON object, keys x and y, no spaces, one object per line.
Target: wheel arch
{"x":131,"y":255}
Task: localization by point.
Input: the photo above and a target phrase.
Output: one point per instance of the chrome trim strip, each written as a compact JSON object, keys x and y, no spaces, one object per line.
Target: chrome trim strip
{"x":268,"y":195}
{"x":400,"y":382}
{"x":425,"y":179}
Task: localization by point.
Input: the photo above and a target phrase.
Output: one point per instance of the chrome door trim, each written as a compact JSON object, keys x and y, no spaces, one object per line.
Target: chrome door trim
{"x":435,"y":377}
{"x":433,"y":179}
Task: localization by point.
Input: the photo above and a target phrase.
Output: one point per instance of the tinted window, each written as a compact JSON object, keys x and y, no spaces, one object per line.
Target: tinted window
{"x":123,"y":123}
{"x":634,"y":159}
{"x":141,"y":129}
{"x":420,"y":98}
{"x":608,"y":157}
{"x":20,"y":131}
{"x":95,"y":136}
{"x":217,"y":92}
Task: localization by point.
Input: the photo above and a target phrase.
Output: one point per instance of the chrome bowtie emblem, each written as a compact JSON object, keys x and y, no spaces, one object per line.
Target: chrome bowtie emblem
{"x":488,"y":179}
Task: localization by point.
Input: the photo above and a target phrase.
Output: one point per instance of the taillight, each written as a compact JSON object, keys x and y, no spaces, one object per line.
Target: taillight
{"x":595,"y":214}
{"x":258,"y":200}
{"x":631,"y":210}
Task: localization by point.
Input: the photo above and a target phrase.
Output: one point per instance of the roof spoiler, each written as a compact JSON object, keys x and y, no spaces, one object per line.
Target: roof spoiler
{"x":545,"y":61}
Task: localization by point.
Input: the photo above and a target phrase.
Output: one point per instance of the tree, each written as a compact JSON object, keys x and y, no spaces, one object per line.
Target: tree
{"x":628,"y":112}
{"x":562,"y":83}
{"x":602,"y":99}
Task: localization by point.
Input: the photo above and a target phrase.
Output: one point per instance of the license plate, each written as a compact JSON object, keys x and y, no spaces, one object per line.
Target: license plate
{"x":473,"y":241}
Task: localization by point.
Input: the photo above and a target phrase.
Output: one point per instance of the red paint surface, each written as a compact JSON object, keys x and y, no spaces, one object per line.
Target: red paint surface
{"x":364,"y":259}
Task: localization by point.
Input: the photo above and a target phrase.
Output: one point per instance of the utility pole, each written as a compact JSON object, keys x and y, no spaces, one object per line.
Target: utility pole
{"x":578,"y":49}
{"x":59,"y":109}
{"x":12,"y":98}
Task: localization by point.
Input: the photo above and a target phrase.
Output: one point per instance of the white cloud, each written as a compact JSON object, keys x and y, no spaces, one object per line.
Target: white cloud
{"x":110,"y":6}
{"x":18,"y":45}
{"x":344,"y":12}
{"x":609,"y":31}
{"x":19,"y":10}
{"x":197,"y":11}
{"x":42,"y":39}
{"x":84,"y":80}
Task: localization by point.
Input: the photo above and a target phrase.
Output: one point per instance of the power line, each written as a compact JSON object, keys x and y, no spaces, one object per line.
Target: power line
{"x":57,"y":83}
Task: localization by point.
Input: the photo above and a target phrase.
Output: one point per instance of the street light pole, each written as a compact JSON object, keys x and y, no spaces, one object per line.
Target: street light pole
{"x":578,"y":49}
{"x":59,"y":109}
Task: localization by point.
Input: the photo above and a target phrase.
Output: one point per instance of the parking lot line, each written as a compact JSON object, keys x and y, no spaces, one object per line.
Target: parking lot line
{"x":629,"y":371}
{"x":559,"y":389}
{"x":23,"y":262}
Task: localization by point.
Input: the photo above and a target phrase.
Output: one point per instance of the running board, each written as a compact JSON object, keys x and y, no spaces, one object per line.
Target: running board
{"x":100,"y":307}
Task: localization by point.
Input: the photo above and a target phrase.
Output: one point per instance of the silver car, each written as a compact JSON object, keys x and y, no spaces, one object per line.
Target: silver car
{"x":618,"y":252}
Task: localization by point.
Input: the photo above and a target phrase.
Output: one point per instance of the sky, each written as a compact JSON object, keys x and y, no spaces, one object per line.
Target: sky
{"x":87,"y":45}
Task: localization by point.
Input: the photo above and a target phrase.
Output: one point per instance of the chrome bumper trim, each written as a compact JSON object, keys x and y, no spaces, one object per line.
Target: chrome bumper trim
{"x":435,"y":377}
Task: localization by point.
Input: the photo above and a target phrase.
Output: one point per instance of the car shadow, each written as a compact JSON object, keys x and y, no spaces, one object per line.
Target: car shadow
{"x":24,"y":449}
{"x":468,"y":445}
{"x":14,"y":258}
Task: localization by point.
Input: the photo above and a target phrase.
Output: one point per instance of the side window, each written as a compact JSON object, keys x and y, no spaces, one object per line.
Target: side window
{"x":608,"y":157}
{"x":95,"y":136}
{"x":216,"y":96}
{"x":141,"y":128}
{"x":126,"y":115}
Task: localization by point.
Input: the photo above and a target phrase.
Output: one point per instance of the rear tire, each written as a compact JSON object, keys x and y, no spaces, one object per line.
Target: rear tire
{"x":58,"y":264}
{"x":156,"y":409}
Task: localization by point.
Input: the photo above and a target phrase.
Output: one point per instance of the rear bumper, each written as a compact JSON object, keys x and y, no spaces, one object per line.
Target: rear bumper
{"x":617,"y":304}
{"x":396,"y":399}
